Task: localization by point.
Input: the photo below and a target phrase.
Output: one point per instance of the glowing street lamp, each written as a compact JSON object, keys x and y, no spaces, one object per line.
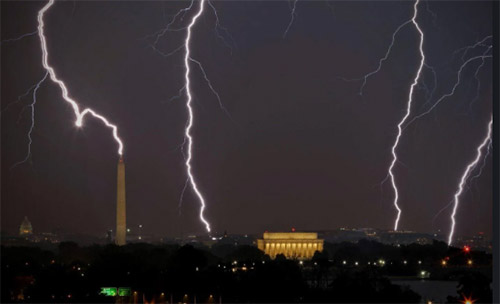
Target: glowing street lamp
{"x":468,"y":300}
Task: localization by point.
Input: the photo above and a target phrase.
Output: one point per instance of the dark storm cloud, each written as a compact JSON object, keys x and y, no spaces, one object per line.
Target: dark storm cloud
{"x":304,"y":149}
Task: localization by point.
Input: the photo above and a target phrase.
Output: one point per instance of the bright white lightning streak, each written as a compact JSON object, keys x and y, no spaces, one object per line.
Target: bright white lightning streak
{"x":478,"y":174}
{"x":408,"y":111}
{"x":292,"y":18}
{"x":80,"y":115}
{"x":187,"y":58}
{"x":463,"y":180}
{"x":32,"y":106}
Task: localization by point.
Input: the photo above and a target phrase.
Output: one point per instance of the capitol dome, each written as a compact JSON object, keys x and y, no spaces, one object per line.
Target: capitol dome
{"x":25,"y":228}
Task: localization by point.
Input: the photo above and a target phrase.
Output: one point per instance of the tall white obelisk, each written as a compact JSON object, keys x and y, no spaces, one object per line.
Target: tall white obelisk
{"x":121,"y":222}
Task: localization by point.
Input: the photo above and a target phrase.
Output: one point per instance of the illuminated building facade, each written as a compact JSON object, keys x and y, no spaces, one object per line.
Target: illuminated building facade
{"x":293,"y":245}
{"x":25,"y":228}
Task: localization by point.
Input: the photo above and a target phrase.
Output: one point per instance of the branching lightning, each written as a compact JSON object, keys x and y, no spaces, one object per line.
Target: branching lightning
{"x":221,"y":105}
{"x":403,"y":124}
{"x":187,"y":59}
{"x":485,"y":158}
{"x":477,"y":175}
{"x":20,"y":97}
{"x":32,"y":125}
{"x":465,"y":63}
{"x":80,"y":115}
{"x":452,"y":92}
{"x":292,"y":18}
{"x":408,"y":112}
{"x":476,"y":76}
{"x":470,"y":167}
{"x":219,"y":26}
{"x":381,"y":61}
{"x":186,"y":89}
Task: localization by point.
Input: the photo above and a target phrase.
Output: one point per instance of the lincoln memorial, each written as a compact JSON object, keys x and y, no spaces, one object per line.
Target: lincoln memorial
{"x":293,"y":245}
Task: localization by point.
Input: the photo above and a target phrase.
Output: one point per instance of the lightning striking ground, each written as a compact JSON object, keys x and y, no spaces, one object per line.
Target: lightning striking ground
{"x":477,"y":175}
{"x":470,"y":167}
{"x":403,"y":120}
{"x":80,"y":115}
{"x":186,"y":89}
{"x":187,"y":59}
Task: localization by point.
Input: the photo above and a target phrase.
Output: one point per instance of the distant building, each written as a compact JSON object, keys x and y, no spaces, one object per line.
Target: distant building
{"x":293,"y":245}
{"x":25,"y":229}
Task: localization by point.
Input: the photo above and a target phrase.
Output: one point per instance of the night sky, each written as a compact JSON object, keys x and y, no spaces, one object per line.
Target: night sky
{"x":301,"y":149}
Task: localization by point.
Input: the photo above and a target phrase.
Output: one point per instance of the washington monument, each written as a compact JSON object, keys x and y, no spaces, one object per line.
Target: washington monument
{"x":121,"y":223}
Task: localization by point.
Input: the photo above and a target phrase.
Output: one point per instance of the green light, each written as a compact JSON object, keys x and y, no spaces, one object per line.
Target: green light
{"x":109,"y":291}
{"x":124,"y":291}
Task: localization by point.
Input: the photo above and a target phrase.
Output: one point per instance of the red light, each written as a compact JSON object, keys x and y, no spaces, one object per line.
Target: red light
{"x":466,"y":249}
{"x":293,"y":229}
{"x":468,"y":300}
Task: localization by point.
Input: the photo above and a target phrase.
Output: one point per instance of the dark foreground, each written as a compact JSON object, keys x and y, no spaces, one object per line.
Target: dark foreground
{"x":343,"y":273}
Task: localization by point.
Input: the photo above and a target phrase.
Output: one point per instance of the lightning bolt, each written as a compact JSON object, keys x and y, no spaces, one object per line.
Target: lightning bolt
{"x":219,"y":26}
{"x":32,"y":125}
{"x":19,"y":38}
{"x":403,"y":124}
{"x":187,"y":59}
{"x":476,"y":77}
{"x":452,"y":92}
{"x":80,"y":115}
{"x":430,"y":93}
{"x":480,"y":171}
{"x":364,"y":79}
{"x":478,"y":174}
{"x":470,"y":167}
{"x":292,"y":18}
{"x":483,"y":58}
{"x":186,"y":89}
{"x":405,"y":117}
{"x":20,"y":97}
{"x":381,"y":61}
